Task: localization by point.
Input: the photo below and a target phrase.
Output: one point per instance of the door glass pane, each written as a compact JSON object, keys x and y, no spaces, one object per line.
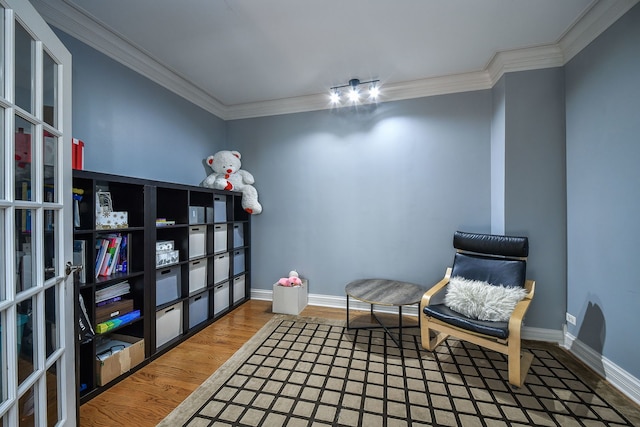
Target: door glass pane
{"x":3,"y":148}
{"x":3,"y":359}
{"x":24,"y":59}
{"x":1,"y":50}
{"x":52,"y":395}
{"x":50,"y":92}
{"x":26,"y":338}
{"x":50,"y":150}
{"x":51,"y":317}
{"x":24,"y":250}
{"x":23,"y":165}
{"x":50,"y":244}
{"x":3,"y":267}
{"x":27,"y":406}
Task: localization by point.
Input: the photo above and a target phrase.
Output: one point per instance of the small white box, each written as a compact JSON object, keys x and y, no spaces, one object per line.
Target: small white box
{"x":220,"y":298}
{"x":219,"y":237}
{"x":238,"y":235}
{"x":166,"y":258}
{"x":111,"y":220}
{"x":219,"y":208}
{"x":168,"y":324}
{"x":238,"y":288}
{"x":290,"y":299}
{"x":221,"y":268}
{"x":197,"y":275}
{"x":197,"y":241}
{"x":164,"y":245}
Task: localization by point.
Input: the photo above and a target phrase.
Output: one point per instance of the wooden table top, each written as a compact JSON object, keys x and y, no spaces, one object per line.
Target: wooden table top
{"x":385,"y":292}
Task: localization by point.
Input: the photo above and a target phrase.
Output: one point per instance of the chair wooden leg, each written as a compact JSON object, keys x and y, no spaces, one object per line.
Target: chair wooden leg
{"x":425,"y":335}
{"x":519,"y":364}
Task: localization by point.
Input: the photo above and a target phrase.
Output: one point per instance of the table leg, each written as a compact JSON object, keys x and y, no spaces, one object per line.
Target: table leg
{"x":400,"y":326}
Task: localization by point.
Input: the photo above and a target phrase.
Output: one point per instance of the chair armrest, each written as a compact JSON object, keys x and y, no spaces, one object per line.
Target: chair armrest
{"x":515,"y":321}
{"x":426,"y":298}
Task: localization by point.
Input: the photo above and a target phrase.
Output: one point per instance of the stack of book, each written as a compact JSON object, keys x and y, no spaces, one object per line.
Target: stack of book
{"x":112,"y":255}
{"x":112,"y":308}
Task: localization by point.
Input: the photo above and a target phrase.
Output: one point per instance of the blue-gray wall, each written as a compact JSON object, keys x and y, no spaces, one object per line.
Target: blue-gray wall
{"x":367,"y":193}
{"x":603,"y":192}
{"x":379,"y":192}
{"x":131,"y":126}
{"x":535,"y":189}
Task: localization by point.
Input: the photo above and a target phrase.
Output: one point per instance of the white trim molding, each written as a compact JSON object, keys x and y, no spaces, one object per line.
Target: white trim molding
{"x":600,"y":16}
{"x":333,"y":301}
{"x":614,"y":374}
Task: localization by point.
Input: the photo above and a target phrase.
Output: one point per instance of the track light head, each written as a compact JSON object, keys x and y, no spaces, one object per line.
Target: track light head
{"x":354,"y":91}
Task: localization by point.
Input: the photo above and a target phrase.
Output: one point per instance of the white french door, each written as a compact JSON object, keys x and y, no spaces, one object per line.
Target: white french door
{"x":37,"y":344}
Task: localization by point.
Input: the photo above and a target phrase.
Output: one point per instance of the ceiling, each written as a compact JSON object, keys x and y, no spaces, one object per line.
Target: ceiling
{"x":243,"y":58}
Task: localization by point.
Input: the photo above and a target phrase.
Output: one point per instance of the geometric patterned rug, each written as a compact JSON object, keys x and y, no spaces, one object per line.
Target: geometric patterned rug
{"x":315,"y":372}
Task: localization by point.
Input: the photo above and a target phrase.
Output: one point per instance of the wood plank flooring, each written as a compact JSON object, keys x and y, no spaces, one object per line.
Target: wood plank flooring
{"x":150,"y":394}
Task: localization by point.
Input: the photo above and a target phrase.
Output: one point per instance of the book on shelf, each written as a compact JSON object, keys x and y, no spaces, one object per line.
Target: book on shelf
{"x":116,"y":290}
{"x":115,"y":257}
{"x":101,"y":247}
{"x":77,"y":154}
{"x":103,"y":327}
{"x":111,"y":258}
{"x":113,"y":309}
{"x":80,"y":257}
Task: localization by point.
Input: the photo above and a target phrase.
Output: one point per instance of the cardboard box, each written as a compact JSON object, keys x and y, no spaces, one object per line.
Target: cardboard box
{"x":290,"y":299}
{"x":122,"y":361}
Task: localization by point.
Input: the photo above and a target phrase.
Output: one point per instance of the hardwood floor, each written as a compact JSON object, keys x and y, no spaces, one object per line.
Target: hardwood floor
{"x":150,"y":394}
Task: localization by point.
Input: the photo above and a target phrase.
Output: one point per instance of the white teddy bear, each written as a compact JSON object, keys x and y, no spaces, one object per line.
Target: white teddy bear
{"x":227,"y":175}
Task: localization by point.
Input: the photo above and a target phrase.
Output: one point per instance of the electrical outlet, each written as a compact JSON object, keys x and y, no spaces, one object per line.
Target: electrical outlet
{"x":571,"y":319}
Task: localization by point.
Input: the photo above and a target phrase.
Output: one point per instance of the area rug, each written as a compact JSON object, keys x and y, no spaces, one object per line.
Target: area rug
{"x":315,"y":372}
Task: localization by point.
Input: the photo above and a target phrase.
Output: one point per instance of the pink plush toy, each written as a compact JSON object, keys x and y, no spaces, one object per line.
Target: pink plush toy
{"x":292,"y":280}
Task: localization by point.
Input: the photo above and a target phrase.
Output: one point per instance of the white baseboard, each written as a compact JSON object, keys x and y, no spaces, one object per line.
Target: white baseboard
{"x":614,"y":374}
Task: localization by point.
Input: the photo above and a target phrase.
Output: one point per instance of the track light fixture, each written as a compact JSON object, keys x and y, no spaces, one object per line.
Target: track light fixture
{"x":353,"y":93}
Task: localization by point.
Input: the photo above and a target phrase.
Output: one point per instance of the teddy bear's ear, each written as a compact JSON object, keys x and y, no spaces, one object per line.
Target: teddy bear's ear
{"x":210,"y":160}
{"x":235,"y":153}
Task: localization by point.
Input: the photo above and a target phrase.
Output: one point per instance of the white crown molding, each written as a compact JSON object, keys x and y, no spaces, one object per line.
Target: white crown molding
{"x":593,"y":23}
{"x":596,"y":19}
{"x":614,"y":374}
{"x":67,"y":18}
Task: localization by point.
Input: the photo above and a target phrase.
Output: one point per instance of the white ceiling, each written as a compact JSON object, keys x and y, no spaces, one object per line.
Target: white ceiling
{"x":240,"y":58}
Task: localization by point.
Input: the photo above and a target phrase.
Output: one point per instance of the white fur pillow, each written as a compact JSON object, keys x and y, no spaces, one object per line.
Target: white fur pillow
{"x":481,"y":300}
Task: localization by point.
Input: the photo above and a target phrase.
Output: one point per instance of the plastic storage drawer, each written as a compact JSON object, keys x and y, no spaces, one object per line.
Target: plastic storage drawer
{"x":219,"y":237}
{"x":167,"y":285}
{"x":197,"y":275}
{"x":168,"y":324}
{"x":221,"y":268}
{"x":197,"y":241}
{"x":219,"y":208}
{"x":238,"y":288}
{"x":238,"y":261}
{"x":238,"y":235}
{"x":198,"y":309}
{"x":220,"y":298}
